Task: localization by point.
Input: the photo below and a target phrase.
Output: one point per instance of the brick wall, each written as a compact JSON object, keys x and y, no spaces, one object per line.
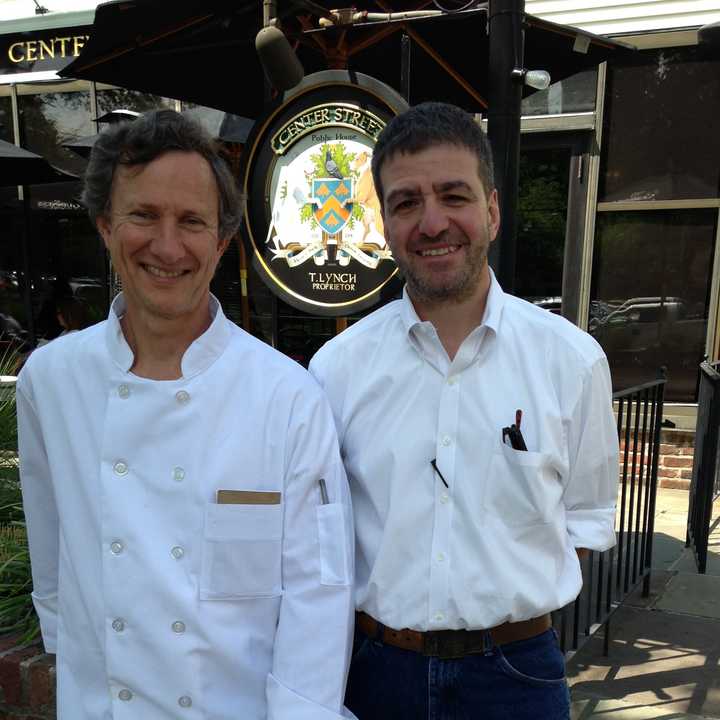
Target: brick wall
{"x":27,"y":682}
{"x":676,"y":458}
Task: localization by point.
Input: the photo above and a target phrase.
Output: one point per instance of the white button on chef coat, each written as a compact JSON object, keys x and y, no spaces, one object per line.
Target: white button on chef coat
{"x":123,"y":391}
{"x":125,"y":695}
{"x":177,"y":552}
{"x":185,"y":701}
{"x":183,"y":397}
{"x":178,"y":626}
{"x":118,"y":625}
{"x":178,"y":474}
{"x":116,"y":547}
{"x":120,"y":467}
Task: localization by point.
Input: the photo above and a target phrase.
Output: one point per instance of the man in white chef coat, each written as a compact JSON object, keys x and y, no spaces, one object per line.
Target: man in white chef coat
{"x":480,"y":445}
{"x":187,"y":511}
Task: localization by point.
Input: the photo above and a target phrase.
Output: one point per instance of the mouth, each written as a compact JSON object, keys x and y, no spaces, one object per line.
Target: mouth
{"x":165,"y":274}
{"x":437,"y":252}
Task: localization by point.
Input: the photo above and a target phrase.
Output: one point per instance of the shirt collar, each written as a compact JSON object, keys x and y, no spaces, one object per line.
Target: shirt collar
{"x":202,"y":352}
{"x":491,"y":317}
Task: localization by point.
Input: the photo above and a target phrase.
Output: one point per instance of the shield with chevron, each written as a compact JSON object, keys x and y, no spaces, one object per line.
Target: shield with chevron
{"x":333,"y":200}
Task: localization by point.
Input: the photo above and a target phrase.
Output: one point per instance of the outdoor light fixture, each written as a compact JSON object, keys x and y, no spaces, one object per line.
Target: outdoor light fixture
{"x":538,"y":79}
{"x":278,"y":59}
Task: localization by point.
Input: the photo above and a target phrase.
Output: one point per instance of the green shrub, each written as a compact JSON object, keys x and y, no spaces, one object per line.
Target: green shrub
{"x":16,"y":609}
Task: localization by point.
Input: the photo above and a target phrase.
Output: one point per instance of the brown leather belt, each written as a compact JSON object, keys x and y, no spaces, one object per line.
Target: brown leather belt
{"x":449,"y":644}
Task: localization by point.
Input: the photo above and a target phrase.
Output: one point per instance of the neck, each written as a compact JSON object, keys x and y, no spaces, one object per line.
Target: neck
{"x":158,"y":344}
{"x":454,"y":320}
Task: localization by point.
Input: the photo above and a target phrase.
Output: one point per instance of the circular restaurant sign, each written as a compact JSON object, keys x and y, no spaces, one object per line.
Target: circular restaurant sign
{"x":312,"y":216}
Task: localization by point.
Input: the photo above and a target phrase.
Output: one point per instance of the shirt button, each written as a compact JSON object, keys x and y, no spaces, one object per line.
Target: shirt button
{"x":177,"y":552}
{"x":178,"y":474}
{"x":439,"y":617}
{"x":445,"y":440}
{"x":178,"y":627}
{"x":116,"y":547}
{"x":444,"y":498}
{"x":441,"y":557}
{"x":182,"y":397}
{"x":452,"y":380}
{"x":124,"y":391}
{"x":120,"y":467}
{"x":185,"y":701}
{"x":118,"y":625}
{"x":125,"y":695}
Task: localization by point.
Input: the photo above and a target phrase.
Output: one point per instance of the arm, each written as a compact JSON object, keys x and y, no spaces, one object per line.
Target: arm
{"x":591,"y":491}
{"x":313,"y":640}
{"x":41,"y":516}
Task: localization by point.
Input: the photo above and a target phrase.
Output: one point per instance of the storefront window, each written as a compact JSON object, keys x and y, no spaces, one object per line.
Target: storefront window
{"x":109,"y":99}
{"x":48,"y":120}
{"x":650,"y":295}
{"x":656,"y":146}
{"x":6,"y":123}
{"x":571,"y":95}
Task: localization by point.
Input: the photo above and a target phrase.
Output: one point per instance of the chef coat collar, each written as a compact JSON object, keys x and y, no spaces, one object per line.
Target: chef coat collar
{"x":491,"y":317}
{"x":202,"y":352}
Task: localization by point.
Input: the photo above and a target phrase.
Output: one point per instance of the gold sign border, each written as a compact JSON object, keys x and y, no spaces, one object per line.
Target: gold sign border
{"x":253,"y":154}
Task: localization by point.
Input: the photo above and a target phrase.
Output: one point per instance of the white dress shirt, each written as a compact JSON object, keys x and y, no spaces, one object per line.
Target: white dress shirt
{"x":498,"y":544}
{"x":161,"y":603}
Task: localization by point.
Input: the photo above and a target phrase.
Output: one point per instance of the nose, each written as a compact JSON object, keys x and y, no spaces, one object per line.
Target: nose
{"x":434,"y":220}
{"x":166,"y":243}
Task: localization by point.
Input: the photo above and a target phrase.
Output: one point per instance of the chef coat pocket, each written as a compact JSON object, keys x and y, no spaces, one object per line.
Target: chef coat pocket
{"x":523,"y":487}
{"x":334,"y":545}
{"x":242,"y":552}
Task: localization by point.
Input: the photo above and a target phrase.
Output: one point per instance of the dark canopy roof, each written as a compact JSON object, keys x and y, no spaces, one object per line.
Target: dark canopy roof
{"x":22,"y":167}
{"x":203,"y":51}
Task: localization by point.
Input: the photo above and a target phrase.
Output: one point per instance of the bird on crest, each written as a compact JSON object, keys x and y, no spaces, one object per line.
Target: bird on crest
{"x":332,"y":167}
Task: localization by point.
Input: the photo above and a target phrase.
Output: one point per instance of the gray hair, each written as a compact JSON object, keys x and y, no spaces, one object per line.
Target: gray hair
{"x":142,"y":141}
{"x":429,"y":124}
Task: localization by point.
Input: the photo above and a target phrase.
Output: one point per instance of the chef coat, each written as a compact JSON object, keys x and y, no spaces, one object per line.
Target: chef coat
{"x":160,"y":601}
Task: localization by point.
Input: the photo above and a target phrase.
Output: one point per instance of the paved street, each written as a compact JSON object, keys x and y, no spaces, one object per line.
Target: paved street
{"x":664,"y":659}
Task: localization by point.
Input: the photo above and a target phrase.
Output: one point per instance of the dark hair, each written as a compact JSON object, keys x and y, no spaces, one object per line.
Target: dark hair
{"x":142,"y":141}
{"x":74,"y":313}
{"x":428,"y":124}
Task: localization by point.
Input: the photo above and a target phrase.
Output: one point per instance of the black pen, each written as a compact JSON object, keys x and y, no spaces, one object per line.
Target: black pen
{"x":512,"y":433}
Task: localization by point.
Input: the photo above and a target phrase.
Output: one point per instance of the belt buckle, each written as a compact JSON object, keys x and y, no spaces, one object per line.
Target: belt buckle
{"x":445,"y":644}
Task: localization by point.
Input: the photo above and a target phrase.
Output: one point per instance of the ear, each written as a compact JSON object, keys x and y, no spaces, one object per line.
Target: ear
{"x":103,"y":226}
{"x":223,"y":245}
{"x":493,"y":209}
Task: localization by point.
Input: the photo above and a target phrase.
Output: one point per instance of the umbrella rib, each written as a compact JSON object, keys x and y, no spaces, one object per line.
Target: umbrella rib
{"x":446,"y":66}
{"x":152,"y":39}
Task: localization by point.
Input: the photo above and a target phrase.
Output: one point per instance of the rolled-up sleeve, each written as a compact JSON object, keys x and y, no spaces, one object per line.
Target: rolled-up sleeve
{"x":41,"y":515}
{"x":314,"y":634}
{"x":591,"y":491}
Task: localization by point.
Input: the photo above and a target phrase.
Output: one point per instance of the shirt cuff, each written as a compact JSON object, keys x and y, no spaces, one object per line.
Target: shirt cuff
{"x":47,"y":609}
{"x":285,"y":704}
{"x":592,"y":528}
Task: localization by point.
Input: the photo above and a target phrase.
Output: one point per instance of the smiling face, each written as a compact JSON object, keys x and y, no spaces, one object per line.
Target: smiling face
{"x":162,"y":235}
{"x":439,"y":222}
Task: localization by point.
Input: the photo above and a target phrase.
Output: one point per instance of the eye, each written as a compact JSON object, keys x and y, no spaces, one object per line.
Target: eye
{"x":405,"y":205}
{"x":193,"y":222}
{"x":142,"y":216}
{"x":455,"y":199}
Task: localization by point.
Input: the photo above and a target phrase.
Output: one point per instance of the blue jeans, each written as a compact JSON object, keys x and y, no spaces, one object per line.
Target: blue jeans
{"x":523,"y":680}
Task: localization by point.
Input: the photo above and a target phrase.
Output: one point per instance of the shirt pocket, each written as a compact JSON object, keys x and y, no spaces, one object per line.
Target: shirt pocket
{"x":242,"y":552}
{"x":523,"y":487}
{"x":334,"y":545}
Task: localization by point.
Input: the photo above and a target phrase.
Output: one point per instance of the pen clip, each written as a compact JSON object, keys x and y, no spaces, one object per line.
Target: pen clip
{"x":323,"y":492}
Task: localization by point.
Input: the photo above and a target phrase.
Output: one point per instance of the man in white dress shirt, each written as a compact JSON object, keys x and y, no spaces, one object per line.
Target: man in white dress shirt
{"x":187,"y":511}
{"x":465,"y":542}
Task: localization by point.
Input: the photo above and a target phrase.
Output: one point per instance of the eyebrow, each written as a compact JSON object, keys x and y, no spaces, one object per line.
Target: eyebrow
{"x":450,"y":185}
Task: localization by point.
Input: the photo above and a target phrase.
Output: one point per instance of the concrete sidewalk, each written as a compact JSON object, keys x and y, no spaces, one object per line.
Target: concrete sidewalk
{"x":664,"y":659}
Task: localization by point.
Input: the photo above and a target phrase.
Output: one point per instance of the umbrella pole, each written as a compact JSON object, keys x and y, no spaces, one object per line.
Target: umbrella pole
{"x":27,"y":279}
{"x":505,"y":96}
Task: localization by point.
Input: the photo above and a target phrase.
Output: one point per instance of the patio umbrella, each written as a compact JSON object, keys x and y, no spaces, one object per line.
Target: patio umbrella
{"x":222,"y":126}
{"x":22,"y":167}
{"x":204,"y":51}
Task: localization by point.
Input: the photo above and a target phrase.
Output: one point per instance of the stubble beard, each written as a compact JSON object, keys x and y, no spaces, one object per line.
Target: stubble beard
{"x":433,"y":290}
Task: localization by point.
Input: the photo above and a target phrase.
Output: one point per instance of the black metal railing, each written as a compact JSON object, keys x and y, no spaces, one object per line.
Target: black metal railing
{"x":609,"y":577}
{"x":705,"y":485}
